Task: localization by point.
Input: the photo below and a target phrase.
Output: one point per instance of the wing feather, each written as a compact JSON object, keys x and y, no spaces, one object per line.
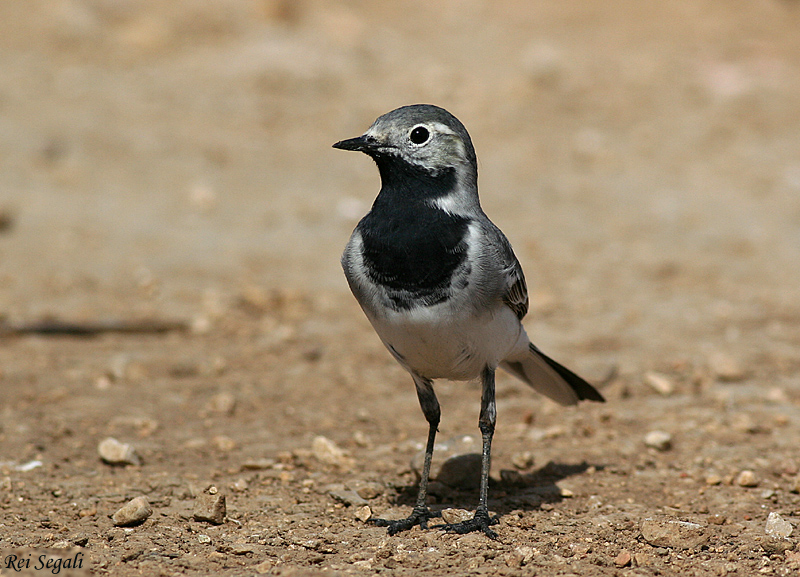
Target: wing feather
{"x":514,"y":287}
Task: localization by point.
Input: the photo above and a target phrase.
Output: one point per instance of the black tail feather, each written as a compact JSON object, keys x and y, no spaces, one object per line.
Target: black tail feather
{"x":584,"y":390}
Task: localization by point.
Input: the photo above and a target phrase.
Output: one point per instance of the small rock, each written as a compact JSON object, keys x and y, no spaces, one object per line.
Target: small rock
{"x":520,"y":556}
{"x":328,"y":452}
{"x":210,"y":508}
{"x":713,"y":479}
{"x":453,"y":462}
{"x":264,"y":567}
{"x":369,"y":490}
{"x":717,"y":519}
{"x":80,"y":539}
{"x":203,"y":539}
{"x":222,"y":404}
{"x":90,"y":511}
{"x":223,"y":443}
{"x":726,"y":368}
{"x":242,"y":549}
{"x":461,"y":471}
{"x":673,"y":533}
{"x":580,"y":549}
{"x":777,"y":526}
{"x":793,"y":558}
{"x":659,"y":383}
{"x":747,"y":478}
{"x":456,"y":515}
{"x":363,"y":514}
{"x":258,"y":464}
{"x":113,"y":452}
{"x":29,"y":466}
{"x":565,"y":492}
{"x":240,"y":486}
{"x":795,"y":488}
{"x":346,"y":496}
{"x":523,"y":460}
{"x":776,"y":545}
{"x":658,"y":440}
{"x":623,"y":559}
{"x":134,"y":512}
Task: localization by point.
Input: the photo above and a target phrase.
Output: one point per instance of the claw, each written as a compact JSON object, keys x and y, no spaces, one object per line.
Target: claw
{"x":480,"y":522}
{"x":419,"y":516}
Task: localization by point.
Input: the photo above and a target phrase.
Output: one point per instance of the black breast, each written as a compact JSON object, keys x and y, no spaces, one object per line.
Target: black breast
{"x":411,"y":247}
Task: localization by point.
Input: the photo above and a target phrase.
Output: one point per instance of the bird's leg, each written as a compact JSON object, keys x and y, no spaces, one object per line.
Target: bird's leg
{"x":421,"y":514}
{"x":482,"y":521}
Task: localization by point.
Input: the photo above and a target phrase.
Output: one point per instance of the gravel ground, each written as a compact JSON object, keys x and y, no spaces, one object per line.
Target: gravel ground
{"x":166,"y":171}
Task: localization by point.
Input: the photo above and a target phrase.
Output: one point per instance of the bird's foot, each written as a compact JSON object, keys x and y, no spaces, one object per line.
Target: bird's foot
{"x":480,"y":522}
{"x":419,"y":516}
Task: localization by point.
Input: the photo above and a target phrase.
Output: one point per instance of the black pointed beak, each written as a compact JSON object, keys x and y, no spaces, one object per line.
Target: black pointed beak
{"x":359,"y":143}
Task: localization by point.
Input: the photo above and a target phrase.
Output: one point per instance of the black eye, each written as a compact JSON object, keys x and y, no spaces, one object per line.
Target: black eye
{"x":419,"y":135}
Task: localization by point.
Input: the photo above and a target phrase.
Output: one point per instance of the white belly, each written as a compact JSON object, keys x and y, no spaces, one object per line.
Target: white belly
{"x":443,"y":342}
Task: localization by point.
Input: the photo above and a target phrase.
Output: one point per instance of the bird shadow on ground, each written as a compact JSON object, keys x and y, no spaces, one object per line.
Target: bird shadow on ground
{"x":514,"y":490}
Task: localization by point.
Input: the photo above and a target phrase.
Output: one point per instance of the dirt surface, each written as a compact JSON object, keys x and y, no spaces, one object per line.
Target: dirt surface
{"x":172,"y":161}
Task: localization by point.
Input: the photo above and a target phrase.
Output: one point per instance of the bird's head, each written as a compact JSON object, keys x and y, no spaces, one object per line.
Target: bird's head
{"x":421,"y":137}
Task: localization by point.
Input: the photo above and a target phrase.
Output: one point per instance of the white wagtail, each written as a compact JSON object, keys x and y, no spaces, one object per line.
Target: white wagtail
{"x":440,"y":283}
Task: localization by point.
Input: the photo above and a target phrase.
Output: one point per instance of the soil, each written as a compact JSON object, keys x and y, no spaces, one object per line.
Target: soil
{"x":171,"y":161}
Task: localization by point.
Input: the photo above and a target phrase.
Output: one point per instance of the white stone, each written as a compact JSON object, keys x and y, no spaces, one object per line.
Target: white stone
{"x":777,"y":526}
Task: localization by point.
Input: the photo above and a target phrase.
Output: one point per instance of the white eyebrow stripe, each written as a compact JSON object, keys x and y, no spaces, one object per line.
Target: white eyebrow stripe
{"x":442,"y":128}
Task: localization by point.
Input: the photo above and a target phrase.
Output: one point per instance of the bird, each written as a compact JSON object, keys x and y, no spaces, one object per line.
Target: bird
{"x":441,"y":286}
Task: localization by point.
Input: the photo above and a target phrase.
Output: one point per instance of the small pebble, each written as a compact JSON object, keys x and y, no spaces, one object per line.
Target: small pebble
{"x":659,"y":383}
{"x":623,"y":559}
{"x":242,"y":549}
{"x":203,"y":539}
{"x":726,"y":368}
{"x":461,"y":471}
{"x":523,"y":460}
{"x":240,"y":486}
{"x":134,"y":512}
{"x":223,"y":443}
{"x":346,"y":496}
{"x":210,"y":508}
{"x":747,"y":478}
{"x":456,"y":515}
{"x":264,"y":566}
{"x":777,"y":526}
{"x":793,"y":557}
{"x":369,"y":490}
{"x":113,"y":452}
{"x":520,"y":556}
{"x":328,"y":452}
{"x":659,"y":440}
{"x":673,"y":533}
{"x":795,"y":488}
{"x":363,"y":514}
{"x":222,"y":404}
{"x":713,"y":479}
{"x":258,"y":465}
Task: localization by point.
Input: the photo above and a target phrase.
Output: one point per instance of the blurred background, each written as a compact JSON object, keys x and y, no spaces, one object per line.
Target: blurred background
{"x":644,"y":159}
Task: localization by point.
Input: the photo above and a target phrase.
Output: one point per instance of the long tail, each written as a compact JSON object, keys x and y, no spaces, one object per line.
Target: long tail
{"x":550,"y":378}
